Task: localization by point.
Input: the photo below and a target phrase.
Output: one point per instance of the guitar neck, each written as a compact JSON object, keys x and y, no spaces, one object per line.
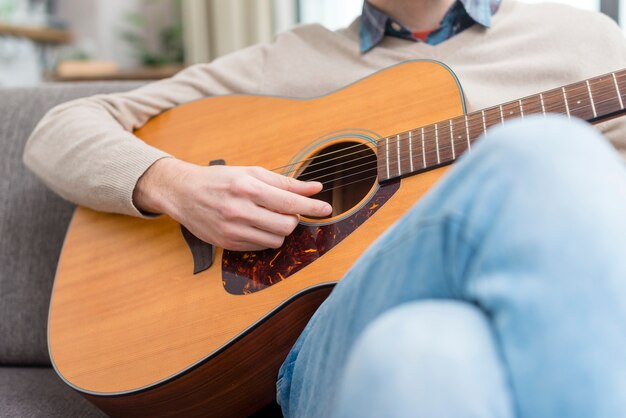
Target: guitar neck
{"x":593,"y":100}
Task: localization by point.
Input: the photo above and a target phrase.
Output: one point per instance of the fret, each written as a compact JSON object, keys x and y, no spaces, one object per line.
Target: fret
{"x":475,"y":125}
{"x":437,"y":143}
{"x":532,"y":105}
{"x":482,"y":113}
{"x":460,"y":143}
{"x":543,"y":107}
{"x":578,"y":101}
{"x":553,"y":102}
{"x":492,"y":117}
{"x":605,"y":99}
{"x":452,"y":140}
{"x":593,"y":105}
{"x":467,"y":135}
{"x":411,"y":151}
{"x":381,"y":166}
{"x":445,"y":149}
{"x":565,"y":101}
{"x":521,"y":108}
{"x":620,"y":79}
{"x":394,"y":168}
{"x":387,"y":156}
{"x":417,"y":150}
{"x":511,"y":110}
{"x":619,"y":94}
{"x":398,"y":154}
{"x":501,"y":115}
{"x":431,"y":154}
{"x":423,"y":150}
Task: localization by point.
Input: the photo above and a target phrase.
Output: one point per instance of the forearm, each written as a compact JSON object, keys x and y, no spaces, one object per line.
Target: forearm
{"x":86,"y":152}
{"x":84,"y":155}
{"x":154,"y":191}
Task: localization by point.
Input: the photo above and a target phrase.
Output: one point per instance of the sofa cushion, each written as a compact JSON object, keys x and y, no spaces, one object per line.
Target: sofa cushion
{"x":30,"y":392}
{"x":32,"y":223}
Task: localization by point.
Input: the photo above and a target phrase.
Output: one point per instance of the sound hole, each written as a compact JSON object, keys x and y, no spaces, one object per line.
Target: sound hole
{"x":347,"y":170}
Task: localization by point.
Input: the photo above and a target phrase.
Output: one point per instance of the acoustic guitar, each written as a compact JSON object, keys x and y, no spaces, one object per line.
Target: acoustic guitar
{"x":148,"y":321}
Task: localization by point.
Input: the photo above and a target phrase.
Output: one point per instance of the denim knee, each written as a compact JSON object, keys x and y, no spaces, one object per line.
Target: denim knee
{"x":436,"y":358}
{"x":434,"y":331}
{"x":539,"y":141}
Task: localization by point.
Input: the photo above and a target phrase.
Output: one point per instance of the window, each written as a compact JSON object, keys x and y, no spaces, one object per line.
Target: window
{"x":338,"y":13}
{"x":583,"y":4}
{"x":333,"y":14}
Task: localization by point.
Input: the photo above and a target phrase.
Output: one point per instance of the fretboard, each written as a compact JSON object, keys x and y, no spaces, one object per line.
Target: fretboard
{"x":594,"y":100}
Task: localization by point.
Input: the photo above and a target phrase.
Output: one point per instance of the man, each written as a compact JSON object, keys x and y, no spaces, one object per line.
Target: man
{"x":529,"y":246}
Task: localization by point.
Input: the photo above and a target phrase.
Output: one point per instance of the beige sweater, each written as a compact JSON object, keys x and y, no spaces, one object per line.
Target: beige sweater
{"x":86,"y":152}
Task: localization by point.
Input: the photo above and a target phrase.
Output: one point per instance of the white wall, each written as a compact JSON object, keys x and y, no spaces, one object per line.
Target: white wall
{"x":333,"y":14}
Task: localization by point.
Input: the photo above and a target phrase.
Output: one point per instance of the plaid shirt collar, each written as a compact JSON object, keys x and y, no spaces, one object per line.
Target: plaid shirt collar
{"x":375,"y":24}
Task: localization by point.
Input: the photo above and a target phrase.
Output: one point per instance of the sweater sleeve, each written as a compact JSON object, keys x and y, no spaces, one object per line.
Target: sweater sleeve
{"x":85,"y":149}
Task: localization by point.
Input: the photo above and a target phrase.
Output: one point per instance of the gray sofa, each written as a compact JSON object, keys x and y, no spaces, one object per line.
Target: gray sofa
{"x":33,"y":221}
{"x":32,"y":226}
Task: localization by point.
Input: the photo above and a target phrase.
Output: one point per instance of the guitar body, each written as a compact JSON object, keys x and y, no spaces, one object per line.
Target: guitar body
{"x":139,"y":334}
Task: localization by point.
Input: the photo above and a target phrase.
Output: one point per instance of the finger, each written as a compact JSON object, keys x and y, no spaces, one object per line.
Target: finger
{"x":248,"y":212}
{"x":254,"y":239}
{"x":290,"y":184}
{"x":274,"y":222}
{"x":286,"y":202}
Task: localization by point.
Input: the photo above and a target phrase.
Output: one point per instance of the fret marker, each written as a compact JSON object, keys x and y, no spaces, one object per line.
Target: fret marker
{"x":452,"y":141}
{"x":387,"y":156}
{"x":484,"y":123}
{"x":566,"y":104}
{"x":593,"y":106}
{"x":423,"y":150}
{"x":501,"y":115}
{"x":467,"y":136}
{"x":521,"y":108}
{"x":411,"y":150}
{"x":398,"y":154}
{"x":437,"y":143}
{"x":543,"y":107}
{"x":619,"y":94}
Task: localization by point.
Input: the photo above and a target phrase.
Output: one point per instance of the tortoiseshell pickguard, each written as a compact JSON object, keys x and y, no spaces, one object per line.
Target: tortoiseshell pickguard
{"x":249,"y":272}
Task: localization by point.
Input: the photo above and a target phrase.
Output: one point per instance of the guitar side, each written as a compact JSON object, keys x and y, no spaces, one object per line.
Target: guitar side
{"x":138,"y":334}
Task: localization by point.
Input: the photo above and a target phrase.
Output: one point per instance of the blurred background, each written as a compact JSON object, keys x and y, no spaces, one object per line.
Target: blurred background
{"x":69,"y":40}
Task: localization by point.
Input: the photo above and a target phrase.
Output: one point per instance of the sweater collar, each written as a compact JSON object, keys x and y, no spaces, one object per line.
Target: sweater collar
{"x":375,"y":24}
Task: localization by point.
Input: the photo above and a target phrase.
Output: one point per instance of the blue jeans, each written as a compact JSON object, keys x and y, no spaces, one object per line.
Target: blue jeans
{"x":501,"y":293}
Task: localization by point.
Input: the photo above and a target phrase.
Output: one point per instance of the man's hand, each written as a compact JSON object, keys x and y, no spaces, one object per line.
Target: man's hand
{"x":237,"y":208}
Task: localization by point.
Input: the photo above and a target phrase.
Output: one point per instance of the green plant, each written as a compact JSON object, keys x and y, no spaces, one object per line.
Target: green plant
{"x":169,"y":48}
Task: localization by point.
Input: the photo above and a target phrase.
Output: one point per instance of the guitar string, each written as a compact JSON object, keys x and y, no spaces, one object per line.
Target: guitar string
{"x":352,"y":182}
{"x":581,"y":94}
{"x":445,"y":131}
{"x":429,"y":153}
{"x":373,"y":168}
{"x":490,"y":120}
